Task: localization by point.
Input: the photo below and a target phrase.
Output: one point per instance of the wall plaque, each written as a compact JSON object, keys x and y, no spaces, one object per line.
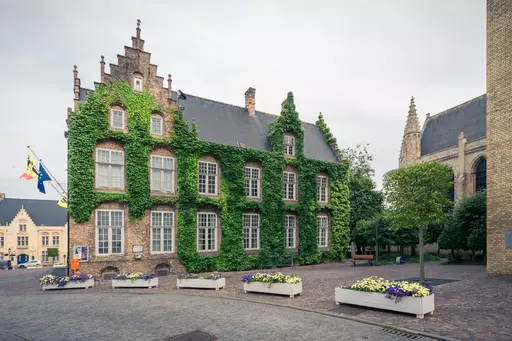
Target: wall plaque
{"x":508,"y":238}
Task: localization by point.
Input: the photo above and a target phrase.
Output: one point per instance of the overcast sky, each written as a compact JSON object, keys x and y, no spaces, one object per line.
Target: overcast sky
{"x":358,"y":62}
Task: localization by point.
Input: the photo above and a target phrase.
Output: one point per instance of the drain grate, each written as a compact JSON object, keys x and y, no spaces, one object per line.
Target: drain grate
{"x":192,"y":336}
{"x":402,"y":334}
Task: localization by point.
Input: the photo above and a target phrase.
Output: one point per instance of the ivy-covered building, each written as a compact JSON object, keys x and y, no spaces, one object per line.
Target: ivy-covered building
{"x":159,"y":179}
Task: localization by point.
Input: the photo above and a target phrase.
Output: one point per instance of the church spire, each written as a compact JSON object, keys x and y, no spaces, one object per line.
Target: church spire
{"x":411,"y":141}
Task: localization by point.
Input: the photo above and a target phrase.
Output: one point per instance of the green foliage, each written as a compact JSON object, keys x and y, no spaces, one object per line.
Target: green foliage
{"x":365,"y":200}
{"x":326,"y":132}
{"x":53,"y":252}
{"x":371,"y":232}
{"x":89,"y":125}
{"x":433,"y":232}
{"x":417,"y":194}
{"x":467,"y":227}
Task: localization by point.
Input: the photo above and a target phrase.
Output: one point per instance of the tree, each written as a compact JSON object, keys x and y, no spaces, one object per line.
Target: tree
{"x":365,"y":200}
{"x":404,"y":237}
{"x":417,"y":197}
{"x":452,"y":238}
{"x":433,"y":232}
{"x":469,"y":218}
{"x":53,"y":252}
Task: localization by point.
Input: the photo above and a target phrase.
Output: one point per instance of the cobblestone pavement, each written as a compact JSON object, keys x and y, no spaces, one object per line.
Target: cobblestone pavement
{"x":475,"y":307}
{"x":98,"y":316}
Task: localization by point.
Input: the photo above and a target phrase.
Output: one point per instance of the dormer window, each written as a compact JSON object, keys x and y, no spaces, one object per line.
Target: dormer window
{"x":117,"y":118}
{"x":157,"y":125}
{"x":289,"y":145}
{"x":137,"y":83}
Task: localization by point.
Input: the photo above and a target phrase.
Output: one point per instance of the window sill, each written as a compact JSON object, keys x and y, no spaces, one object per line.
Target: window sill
{"x":109,"y":190}
{"x":161,"y":253}
{"x":253,"y":198}
{"x":251,"y":251}
{"x":163,"y":194}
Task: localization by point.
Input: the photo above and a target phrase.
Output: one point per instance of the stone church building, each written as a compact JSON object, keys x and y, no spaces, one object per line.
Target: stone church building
{"x":465,"y":136}
{"x":456,"y":137}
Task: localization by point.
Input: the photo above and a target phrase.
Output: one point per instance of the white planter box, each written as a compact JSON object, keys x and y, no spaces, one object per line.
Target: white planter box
{"x":274,"y":288}
{"x":138,"y":283}
{"x":70,"y":285}
{"x":412,"y":305}
{"x":201,"y":283}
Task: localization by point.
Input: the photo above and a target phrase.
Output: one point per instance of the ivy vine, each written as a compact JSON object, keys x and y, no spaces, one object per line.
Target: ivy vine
{"x":89,"y":125}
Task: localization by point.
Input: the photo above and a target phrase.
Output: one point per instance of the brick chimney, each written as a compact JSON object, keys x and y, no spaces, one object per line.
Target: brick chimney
{"x":2,"y":196}
{"x":250,"y":100}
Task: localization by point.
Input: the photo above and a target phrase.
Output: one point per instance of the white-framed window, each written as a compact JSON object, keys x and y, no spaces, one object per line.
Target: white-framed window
{"x":56,"y":240}
{"x":138,"y":84}
{"x":289,"y":186}
{"x":289,"y":145}
{"x":208,"y":175}
{"x":290,"y":227}
{"x":117,"y":118}
{"x":321,"y":189}
{"x":109,"y":232}
{"x":2,"y":241}
{"x":157,"y":125}
{"x":44,"y":256}
{"x":162,"y":174}
{"x":162,"y":231}
{"x":23,"y":227}
{"x":206,"y":232}
{"x":23,"y":241}
{"x":109,"y":168}
{"x":322,"y":228}
{"x":45,"y":241}
{"x":251,"y":231}
{"x":252,"y":182}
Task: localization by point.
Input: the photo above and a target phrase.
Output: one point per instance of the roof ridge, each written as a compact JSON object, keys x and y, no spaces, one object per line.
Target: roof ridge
{"x":224,"y":103}
{"x":240,"y":107}
{"x":49,"y":200}
{"x":457,"y":106}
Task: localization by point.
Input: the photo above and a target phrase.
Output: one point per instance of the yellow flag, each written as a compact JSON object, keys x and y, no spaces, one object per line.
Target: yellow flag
{"x":30,"y":172}
{"x":63,"y":202}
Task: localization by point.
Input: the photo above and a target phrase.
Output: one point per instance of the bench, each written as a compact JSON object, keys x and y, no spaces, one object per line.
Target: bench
{"x":367,"y":258}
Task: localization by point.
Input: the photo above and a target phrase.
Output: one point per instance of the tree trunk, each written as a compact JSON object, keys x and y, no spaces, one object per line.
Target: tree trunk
{"x":422,"y":259}
{"x":453,"y":252}
{"x":377,"y":251}
{"x":473,"y":256}
{"x":389,"y":249}
{"x":401,"y":248}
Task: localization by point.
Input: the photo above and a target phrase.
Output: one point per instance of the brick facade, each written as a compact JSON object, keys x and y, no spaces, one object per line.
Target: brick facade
{"x":499,"y":139}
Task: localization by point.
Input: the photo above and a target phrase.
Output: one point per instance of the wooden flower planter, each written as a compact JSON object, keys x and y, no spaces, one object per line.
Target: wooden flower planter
{"x":201,"y":283}
{"x":411,"y":305}
{"x":70,"y":285}
{"x":274,"y":288}
{"x":138,"y":283}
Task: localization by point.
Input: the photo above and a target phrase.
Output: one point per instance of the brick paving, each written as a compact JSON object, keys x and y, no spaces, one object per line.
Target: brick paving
{"x":475,"y":307}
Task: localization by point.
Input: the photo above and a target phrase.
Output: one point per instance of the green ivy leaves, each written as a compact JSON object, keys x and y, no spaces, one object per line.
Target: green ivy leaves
{"x":89,"y":125}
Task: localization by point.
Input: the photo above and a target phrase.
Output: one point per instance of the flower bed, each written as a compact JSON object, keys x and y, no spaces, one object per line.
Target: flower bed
{"x":210,"y":281}
{"x":277,"y":283}
{"x":135,"y":280}
{"x":51,"y":282}
{"x":375,"y":292}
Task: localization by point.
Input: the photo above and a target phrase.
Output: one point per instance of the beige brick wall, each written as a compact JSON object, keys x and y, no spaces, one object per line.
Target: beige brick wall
{"x":135,"y":232}
{"x":499,"y":139}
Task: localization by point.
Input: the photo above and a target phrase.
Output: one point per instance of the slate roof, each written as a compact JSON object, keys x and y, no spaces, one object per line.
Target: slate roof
{"x":232,"y":125}
{"x":42,"y":212}
{"x":442,"y":130}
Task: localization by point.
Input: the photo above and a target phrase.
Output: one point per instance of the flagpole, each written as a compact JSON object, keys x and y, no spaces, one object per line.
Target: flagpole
{"x":48,"y":170}
{"x":64,"y":192}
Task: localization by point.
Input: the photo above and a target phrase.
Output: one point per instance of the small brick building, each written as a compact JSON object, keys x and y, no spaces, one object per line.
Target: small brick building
{"x":109,"y":240}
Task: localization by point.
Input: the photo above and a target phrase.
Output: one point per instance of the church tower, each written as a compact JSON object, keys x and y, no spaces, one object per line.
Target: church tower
{"x":499,"y":126}
{"x":411,"y":142}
